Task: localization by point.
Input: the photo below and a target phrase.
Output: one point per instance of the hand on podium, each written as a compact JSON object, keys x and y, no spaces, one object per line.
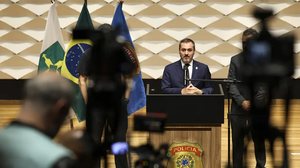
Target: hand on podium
{"x":191,"y":90}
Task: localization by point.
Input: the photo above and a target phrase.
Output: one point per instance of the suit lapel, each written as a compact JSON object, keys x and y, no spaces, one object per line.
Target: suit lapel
{"x":195,"y":73}
{"x":179,"y":71}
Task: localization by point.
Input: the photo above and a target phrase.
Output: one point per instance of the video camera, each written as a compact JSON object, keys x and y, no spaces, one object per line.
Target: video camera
{"x":108,"y":58}
{"x":267,"y":68}
{"x":107,"y":66}
{"x":148,"y":156}
{"x":107,"y":63}
{"x":268,"y":56}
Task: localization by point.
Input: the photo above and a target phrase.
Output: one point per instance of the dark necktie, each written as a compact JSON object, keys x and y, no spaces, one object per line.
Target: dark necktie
{"x":186,"y":74}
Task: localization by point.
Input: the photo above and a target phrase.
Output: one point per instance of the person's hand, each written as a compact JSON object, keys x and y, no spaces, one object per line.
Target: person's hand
{"x":194,"y":90}
{"x":246,"y":105}
{"x":191,"y":90}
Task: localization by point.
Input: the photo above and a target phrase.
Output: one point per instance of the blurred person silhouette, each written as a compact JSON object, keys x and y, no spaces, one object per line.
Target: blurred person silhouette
{"x":81,"y":144}
{"x":27,"y":141}
{"x":84,"y":64}
{"x":175,"y":76}
{"x":117,"y":123}
{"x":241,"y":107}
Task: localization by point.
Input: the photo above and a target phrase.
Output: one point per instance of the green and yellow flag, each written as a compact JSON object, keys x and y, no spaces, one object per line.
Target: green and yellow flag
{"x":71,"y":60}
{"x":52,"y":53}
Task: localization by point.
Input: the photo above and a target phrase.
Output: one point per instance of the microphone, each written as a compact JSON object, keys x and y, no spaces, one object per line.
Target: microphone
{"x":187,"y":80}
{"x":186,"y":74}
{"x":230,"y":81}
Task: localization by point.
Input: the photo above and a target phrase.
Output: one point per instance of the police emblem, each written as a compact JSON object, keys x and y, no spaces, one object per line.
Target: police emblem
{"x":185,"y":161}
{"x":185,"y":155}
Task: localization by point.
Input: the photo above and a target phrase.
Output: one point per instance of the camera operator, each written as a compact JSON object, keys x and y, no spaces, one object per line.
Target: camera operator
{"x":269,"y":62}
{"x":240,"y":109}
{"x":108,"y":90}
{"x":27,"y":141}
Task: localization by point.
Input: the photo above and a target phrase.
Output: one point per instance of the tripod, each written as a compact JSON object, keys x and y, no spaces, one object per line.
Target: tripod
{"x":227,"y":82}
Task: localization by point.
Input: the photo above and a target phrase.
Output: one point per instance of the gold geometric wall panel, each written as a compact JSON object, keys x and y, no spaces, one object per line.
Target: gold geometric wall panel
{"x":156,"y":27}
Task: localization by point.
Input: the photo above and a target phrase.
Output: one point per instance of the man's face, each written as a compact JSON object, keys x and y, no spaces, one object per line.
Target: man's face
{"x":186,"y":52}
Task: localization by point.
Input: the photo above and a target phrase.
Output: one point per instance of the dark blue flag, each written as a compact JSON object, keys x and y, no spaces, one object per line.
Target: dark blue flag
{"x":137,"y":98}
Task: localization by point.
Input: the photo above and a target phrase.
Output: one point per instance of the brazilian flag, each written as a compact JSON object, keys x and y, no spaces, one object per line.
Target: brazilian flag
{"x":74,"y":51}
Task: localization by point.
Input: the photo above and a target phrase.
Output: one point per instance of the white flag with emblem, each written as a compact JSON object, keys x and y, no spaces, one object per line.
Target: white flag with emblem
{"x":52,"y":53}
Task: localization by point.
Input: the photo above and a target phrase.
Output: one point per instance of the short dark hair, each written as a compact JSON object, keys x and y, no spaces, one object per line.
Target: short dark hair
{"x":250,"y":32}
{"x":105,"y":28}
{"x":187,"y":40}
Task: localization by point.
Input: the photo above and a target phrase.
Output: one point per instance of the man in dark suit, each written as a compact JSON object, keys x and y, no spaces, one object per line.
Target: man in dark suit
{"x":176,"y":75}
{"x":240,"y":109}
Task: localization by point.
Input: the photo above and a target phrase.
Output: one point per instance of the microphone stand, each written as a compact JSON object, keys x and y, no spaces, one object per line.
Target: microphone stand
{"x":186,"y":79}
{"x":227,"y":82}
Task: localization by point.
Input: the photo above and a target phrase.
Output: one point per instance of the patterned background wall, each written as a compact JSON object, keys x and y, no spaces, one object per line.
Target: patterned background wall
{"x":156,"y":27}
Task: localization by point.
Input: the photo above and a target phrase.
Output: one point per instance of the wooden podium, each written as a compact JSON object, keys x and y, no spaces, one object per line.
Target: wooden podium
{"x":191,"y":118}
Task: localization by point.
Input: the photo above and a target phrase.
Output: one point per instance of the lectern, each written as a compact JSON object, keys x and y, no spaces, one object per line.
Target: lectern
{"x":191,"y":118}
